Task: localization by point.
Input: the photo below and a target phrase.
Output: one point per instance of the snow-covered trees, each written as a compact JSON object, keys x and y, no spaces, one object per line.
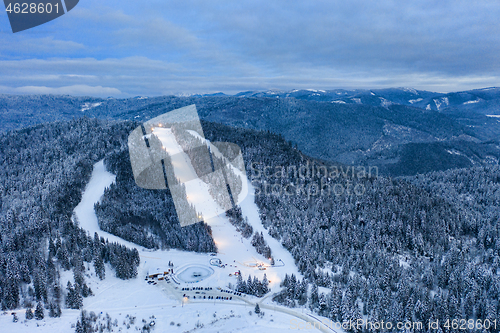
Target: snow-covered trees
{"x":39,"y":311}
{"x":29,"y":313}
{"x":294,"y":292}
{"x":252,"y":286}
{"x":260,"y":245}
{"x":46,"y":169}
{"x":146,"y":217}
{"x":407,"y":248}
{"x":235,"y":216}
{"x":393,"y":245}
{"x":74,"y":298}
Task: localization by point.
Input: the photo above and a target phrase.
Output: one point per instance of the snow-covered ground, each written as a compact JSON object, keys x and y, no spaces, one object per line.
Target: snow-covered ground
{"x":163,"y":300}
{"x":415,"y":100}
{"x":88,"y":106}
{"x":472,"y":102}
{"x":84,"y":211}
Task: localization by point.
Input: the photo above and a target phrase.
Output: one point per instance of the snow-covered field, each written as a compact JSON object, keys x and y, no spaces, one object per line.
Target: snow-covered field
{"x":122,"y":299}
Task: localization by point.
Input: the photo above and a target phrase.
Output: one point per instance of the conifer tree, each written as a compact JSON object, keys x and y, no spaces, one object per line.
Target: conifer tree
{"x":39,"y":311}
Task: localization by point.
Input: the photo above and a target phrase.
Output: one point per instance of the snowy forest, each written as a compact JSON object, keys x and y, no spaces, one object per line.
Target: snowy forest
{"x":43,"y":171}
{"x":409,"y":248}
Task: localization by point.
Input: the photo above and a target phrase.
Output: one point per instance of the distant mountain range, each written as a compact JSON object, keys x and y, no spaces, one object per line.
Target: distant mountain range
{"x":483,"y":101}
{"x":403,"y":131}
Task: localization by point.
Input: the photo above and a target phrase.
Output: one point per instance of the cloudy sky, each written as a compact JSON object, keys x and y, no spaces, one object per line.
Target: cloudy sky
{"x":156,"y":47}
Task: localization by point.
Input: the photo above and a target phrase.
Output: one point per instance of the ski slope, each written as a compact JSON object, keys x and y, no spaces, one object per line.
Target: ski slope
{"x":164,"y":301}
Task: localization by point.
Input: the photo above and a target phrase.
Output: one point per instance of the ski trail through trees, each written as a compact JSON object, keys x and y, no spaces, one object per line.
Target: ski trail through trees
{"x":85,"y":213}
{"x":232,"y":247}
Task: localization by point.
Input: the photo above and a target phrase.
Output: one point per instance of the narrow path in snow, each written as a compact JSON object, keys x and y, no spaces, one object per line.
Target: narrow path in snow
{"x":85,"y":213}
{"x":251,"y":211}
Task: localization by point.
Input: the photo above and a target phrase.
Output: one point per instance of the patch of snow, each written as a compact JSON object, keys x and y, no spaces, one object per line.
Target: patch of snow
{"x":428,"y":107}
{"x":88,"y":106}
{"x":493,"y":115}
{"x":438,"y":103}
{"x":415,"y":100}
{"x":356,"y":100}
{"x":384,"y":102}
{"x":403,"y":262}
{"x":339,"y":102}
{"x":413,"y":91}
{"x":472,"y":102}
{"x":251,"y":211}
{"x":313,"y":90}
{"x":372,"y":93}
{"x":454,"y":152}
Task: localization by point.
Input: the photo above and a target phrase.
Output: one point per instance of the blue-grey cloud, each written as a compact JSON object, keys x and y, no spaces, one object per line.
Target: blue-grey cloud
{"x":82,"y":90}
{"x":159,"y":47}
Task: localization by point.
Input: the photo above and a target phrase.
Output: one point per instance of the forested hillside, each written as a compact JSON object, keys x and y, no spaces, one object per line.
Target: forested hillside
{"x":411,"y":248}
{"x":371,"y":132}
{"x":146,"y":217}
{"x":407,"y":249}
{"x":43,"y":171}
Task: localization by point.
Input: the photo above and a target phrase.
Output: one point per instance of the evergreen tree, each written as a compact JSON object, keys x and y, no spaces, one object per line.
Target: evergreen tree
{"x":347,"y":306}
{"x":29,"y":313}
{"x":250,"y":286}
{"x":84,"y":323}
{"x":98,"y":259}
{"x":240,"y":284}
{"x":54,"y":310}
{"x":265,"y":285}
{"x":335,"y":303}
{"x":74,"y":299}
{"x":314,"y":300}
{"x":301,"y":294}
{"x":39,"y":311}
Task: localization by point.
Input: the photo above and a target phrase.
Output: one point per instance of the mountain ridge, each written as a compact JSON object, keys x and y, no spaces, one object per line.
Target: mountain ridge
{"x":360,"y":131}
